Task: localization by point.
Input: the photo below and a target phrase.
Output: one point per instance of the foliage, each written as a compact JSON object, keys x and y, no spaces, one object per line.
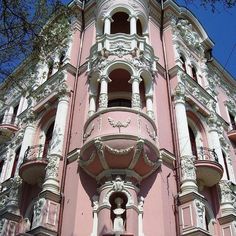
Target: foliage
{"x":23,"y":31}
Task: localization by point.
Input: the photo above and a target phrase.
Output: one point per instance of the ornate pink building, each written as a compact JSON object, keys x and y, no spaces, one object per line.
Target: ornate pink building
{"x":128,"y":131}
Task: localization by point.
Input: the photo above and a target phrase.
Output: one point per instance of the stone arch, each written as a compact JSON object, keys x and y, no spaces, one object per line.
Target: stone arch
{"x":130,"y":201}
{"x":136,"y":7}
{"x":119,"y":64}
{"x":148,"y":81}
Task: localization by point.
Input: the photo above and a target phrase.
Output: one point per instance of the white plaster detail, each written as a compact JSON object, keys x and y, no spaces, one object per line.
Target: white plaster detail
{"x":88,"y":133}
{"x":118,"y":124}
{"x":200,"y":209}
{"x":119,"y":152}
{"x":38,"y":214}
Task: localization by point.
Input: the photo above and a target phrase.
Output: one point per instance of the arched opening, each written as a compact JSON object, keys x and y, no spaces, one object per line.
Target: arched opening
{"x":183,"y":63}
{"x":120,"y":23}
{"x":118,"y":214}
{"x":48,"y":138}
{"x":119,"y":89}
{"x":139,"y":28}
{"x":192,"y":141}
{"x":17,"y":154}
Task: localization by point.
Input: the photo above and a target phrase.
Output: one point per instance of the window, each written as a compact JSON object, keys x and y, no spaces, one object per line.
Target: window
{"x":119,"y":103}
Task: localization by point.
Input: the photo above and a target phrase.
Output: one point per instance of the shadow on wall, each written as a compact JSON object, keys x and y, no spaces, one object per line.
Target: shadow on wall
{"x":147,"y":183}
{"x":88,"y":183}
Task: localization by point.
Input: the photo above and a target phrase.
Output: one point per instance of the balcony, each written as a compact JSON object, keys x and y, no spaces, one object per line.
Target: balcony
{"x":232,"y":133}
{"x":8,"y":127}
{"x":122,"y":46}
{"x":120,"y":141}
{"x":209,"y":172}
{"x":32,"y":170}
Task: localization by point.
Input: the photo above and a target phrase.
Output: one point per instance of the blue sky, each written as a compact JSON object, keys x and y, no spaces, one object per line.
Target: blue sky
{"x":221,"y":28}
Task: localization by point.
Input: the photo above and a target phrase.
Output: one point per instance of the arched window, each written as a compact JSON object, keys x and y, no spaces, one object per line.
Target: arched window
{"x":139,"y":28}
{"x":192,"y":141}
{"x":183,"y":63}
{"x":120,"y":23}
{"x":48,"y":140}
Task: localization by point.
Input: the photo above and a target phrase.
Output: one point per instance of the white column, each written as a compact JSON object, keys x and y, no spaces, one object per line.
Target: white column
{"x":149,"y":106}
{"x":133,"y":24}
{"x":187,"y":159}
{"x":136,"y":102}
{"x":140,"y":216}
{"x":9,"y":115}
{"x":95,"y":215}
{"x":92,"y":104}
{"x":51,"y":182}
{"x":107,"y":25}
{"x":214,"y":141}
{"x":103,"y":96}
{"x":28,"y":137}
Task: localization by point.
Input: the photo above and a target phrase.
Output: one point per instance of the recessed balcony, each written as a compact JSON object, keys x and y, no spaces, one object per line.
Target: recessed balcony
{"x":7,"y":129}
{"x":208,"y":170}
{"x":32,"y":170}
{"x":120,"y":141}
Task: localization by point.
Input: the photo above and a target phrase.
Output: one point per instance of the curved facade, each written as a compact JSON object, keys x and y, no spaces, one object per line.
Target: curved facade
{"x":128,"y":130}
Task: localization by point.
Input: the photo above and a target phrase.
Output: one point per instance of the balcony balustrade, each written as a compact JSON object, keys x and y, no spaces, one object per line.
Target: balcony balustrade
{"x":120,"y":141}
{"x":8,"y":127}
{"x":208,"y":170}
{"x":32,"y":170}
{"x":50,"y":88}
{"x":123,"y":45}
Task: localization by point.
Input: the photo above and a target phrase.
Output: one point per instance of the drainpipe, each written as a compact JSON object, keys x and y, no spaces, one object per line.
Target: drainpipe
{"x":70,"y":121}
{"x":173,"y":122}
